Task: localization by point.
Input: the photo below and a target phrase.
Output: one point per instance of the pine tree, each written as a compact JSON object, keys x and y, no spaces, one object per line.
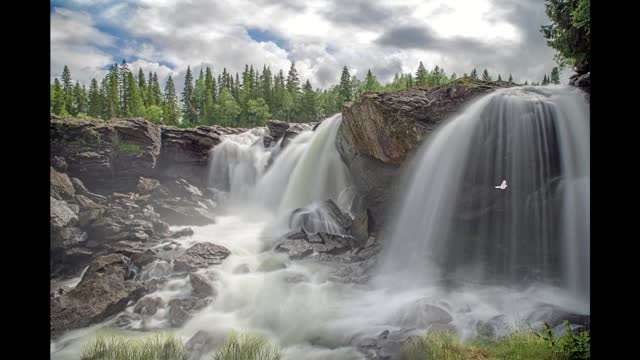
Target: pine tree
{"x":266,"y":81}
{"x":156,"y":92}
{"x":555,"y":75}
{"x":486,"y":76}
{"x":151,"y":96}
{"x":58,"y":106}
{"x":308,"y":103}
{"x":112,"y":106}
{"x":95,"y":100}
{"x":499,"y":78}
{"x":226,"y":110}
{"x":510,"y":79}
{"x":80,"y":101}
{"x":122,"y":83}
{"x":200,"y":96}
{"x":210,"y":83}
{"x":67,"y":90}
{"x":189,"y":110}
{"x":345,"y":85}
{"x":453,"y":77}
{"x":293,"y":82}
{"x":142,"y":86}
{"x":170,"y":111}
{"x":135,"y":104}
{"x":371,"y":83}
{"x":526,"y":82}
{"x":410,"y":82}
{"x":421,"y":75}
{"x":474,"y":74}
{"x":258,"y":111}
{"x":545,"y":81}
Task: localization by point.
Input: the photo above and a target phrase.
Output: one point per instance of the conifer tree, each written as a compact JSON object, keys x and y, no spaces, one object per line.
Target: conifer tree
{"x":555,"y":75}
{"x":156,"y":91}
{"x":112,"y":106}
{"x":371,"y":83}
{"x":123,"y":77}
{"x":67,"y":90}
{"x":421,"y":75}
{"x":135,"y":104}
{"x":499,"y":78}
{"x":345,"y":85}
{"x":293,"y":81}
{"x":308,"y":106}
{"x":189,"y":110}
{"x":486,"y":76}
{"x":170,"y":112}
{"x":474,"y":74}
{"x":200,"y":97}
{"x":142,"y":86}
{"x":95,"y":100}
{"x":58,"y":105}
{"x":510,"y":79}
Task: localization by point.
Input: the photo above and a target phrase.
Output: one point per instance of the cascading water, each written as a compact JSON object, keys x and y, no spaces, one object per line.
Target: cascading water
{"x":453,"y":223}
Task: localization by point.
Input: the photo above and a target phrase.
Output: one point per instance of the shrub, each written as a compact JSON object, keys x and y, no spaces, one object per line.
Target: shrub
{"x":129,"y":148}
{"x":242,"y":346}
{"x":161,"y":346}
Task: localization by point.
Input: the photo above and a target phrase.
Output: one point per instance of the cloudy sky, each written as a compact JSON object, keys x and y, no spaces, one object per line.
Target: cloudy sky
{"x":321,"y":36}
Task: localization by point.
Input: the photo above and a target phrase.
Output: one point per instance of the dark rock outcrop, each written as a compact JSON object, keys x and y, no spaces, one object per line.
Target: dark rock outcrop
{"x":201,"y":255}
{"x":380,"y":130}
{"x":105,"y":290}
{"x":582,"y":81}
{"x":185,"y":152}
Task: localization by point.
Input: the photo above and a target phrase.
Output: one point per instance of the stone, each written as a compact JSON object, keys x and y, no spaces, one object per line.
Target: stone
{"x":59,"y":163}
{"x":147,"y":185}
{"x":201,"y":255}
{"x":181,"y":310}
{"x":103,"y":291}
{"x":61,"y":187}
{"x":148,"y":305}
{"x":61,"y":214}
{"x":201,"y":286}
{"x":181,"y":233}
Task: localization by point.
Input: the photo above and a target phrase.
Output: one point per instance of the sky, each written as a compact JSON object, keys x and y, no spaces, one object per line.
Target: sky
{"x":321,"y":36}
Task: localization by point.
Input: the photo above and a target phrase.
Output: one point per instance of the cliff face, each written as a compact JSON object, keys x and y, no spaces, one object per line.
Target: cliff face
{"x":111,"y":156}
{"x":380,"y":130}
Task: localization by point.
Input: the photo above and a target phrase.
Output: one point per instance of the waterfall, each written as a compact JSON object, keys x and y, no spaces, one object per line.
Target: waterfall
{"x":308,"y":169}
{"x":452,"y":223}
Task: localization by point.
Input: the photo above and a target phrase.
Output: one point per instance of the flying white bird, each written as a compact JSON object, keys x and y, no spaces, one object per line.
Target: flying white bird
{"x":502,"y":186}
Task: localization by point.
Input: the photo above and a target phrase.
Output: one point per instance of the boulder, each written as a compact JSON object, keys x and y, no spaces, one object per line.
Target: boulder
{"x":201,"y":255}
{"x":181,"y":310}
{"x":181,"y":233}
{"x":61,"y":214}
{"x":82,"y":190}
{"x":59,"y":163}
{"x":146,"y":185}
{"x":323,"y":217}
{"x":61,"y":187}
{"x":201,"y":286}
{"x":148,"y":305}
{"x":103,"y":291}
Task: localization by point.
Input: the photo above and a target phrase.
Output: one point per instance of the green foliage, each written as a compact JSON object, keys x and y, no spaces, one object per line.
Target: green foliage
{"x":161,"y":346}
{"x":258,"y":111}
{"x":128,"y":148}
{"x":569,"y":31}
{"x":345,"y":85}
{"x":243,"y":346}
{"x":154,"y":114}
{"x":519,"y":345}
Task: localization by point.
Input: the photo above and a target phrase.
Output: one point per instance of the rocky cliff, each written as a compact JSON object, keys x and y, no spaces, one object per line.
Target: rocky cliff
{"x":380,"y":130}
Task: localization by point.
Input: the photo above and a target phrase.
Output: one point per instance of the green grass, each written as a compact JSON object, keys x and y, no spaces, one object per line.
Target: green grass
{"x":160,"y":346}
{"x":128,"y":148}
{"x":243,"y":346}
{"x":520,"y":345}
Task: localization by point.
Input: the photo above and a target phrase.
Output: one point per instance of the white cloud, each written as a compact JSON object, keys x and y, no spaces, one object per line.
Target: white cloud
{"x":498,"y":35}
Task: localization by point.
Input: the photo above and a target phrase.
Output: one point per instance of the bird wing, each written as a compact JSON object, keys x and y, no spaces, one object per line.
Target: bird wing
{"x":504,"y":183}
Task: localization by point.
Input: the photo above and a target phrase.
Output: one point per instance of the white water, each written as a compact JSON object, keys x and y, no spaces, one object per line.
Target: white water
{"x":314,"y":317}
{"x":451,"y":221}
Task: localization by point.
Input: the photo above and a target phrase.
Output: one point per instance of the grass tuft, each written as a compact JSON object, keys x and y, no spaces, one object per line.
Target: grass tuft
{"x":243,"y":346}
{"x":161,"y":346}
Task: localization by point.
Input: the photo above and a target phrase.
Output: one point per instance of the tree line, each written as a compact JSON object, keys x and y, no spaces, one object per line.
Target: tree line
{"x":243,"y":100}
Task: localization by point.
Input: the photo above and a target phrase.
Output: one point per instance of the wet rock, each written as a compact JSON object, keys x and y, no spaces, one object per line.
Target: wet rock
{"x":242,"y":269}
{"x":181,"y":310}
{"x":155,"y":283}
{"x":177,"y":213}
{"x":201,"y":255}
{"x":147,"y":185}
{"x":296,"y":249}
{"x":148,"y":305}
{"x":103,"y":291}
{"x":360,"y":227}
{"x":314,"y":218}
{"x":82,"y":190}
{"x":60,"y":185}
{"x":181,"y":233}
{"x":421,"y":314}
{"x":86,"y":204}
{"x":201,"y":286}
{"x":61,"y":214}
{"x":127,"y":321}
{"x":142,"y":259}
{"x":59,"y":163}
{"x":299,"y":245}
{"x":72,"y":236}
